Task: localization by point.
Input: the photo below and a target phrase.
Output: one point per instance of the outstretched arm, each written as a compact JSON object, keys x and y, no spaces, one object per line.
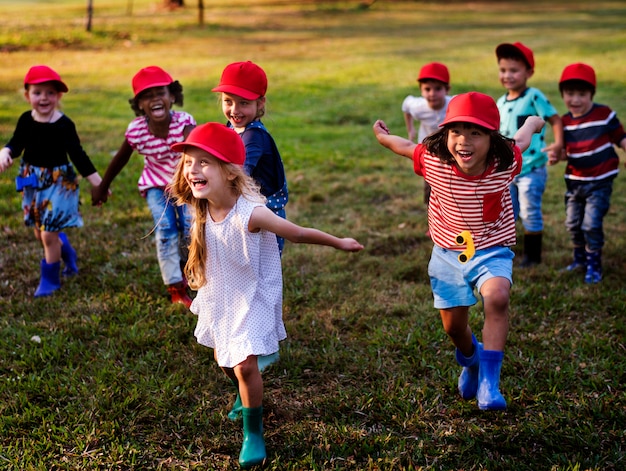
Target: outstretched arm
{"x":100,"y":193}
{"x":397,"y":144}
{"x":264,"y":218}
{"x":524,"y":134}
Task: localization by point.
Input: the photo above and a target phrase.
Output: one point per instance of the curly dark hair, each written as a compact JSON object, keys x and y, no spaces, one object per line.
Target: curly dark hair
{"x":176,"y":90}
{"x":500,"y":150}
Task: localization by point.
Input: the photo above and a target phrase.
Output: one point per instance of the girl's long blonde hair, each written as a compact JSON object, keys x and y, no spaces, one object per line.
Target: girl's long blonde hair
{"x":241,"y":185}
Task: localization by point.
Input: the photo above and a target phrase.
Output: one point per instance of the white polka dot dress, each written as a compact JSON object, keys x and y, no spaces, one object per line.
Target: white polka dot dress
{"x":240,"y":307}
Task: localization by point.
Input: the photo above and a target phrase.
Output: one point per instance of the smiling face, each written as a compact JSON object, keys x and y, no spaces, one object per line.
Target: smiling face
{"x":205,"y":174}
{"x":43,"y":98}
{"x":156,"y":103}
{"x":513,"y":75}
{"x":241,"y":111}
{"x":469,"y":145}
{"x":434,"y":92}
{"x":578,"y":102}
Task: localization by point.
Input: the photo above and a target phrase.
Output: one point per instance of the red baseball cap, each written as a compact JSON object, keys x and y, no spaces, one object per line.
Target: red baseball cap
{"x":473,"y":107}
{"x":244,"y":79}
{"x":218,"y":140}
{"x":515,"y":49}
{"x":434,"y":71}
{"x":149,"y":77}
{"x":579,"y":71}
{"x":43,"y":73}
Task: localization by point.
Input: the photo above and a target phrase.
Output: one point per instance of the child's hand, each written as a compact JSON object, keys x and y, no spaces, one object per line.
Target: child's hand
{"x":349,"y":245}
{"x":555,"y":153}
{"x":5,"y":159}
{"x":380,"y":128}
{"x":98,"y":196}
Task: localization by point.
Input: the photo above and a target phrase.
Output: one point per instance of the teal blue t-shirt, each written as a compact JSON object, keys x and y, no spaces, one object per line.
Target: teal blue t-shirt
{"x":513,"y":114}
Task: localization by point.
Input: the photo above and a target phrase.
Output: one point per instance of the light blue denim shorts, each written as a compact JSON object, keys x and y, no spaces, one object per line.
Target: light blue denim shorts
{"x":453,"y":283}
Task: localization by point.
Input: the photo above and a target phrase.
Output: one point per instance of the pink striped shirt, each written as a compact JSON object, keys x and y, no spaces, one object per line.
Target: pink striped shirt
{"x":159,"y":159}
{"x":458,"y":202}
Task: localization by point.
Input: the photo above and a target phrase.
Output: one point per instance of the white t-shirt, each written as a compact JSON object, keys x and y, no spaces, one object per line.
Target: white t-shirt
{"x":239,"y":308}
{"x":421,"y":111}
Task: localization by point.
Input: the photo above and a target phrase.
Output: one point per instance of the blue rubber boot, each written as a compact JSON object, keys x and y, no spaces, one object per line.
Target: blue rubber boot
{"x":488,"y":395}
{"x":68,"y":254}
{"x":235,"y":412}
{"x":594,"y":267}
{"x":468,"y":379}
{"x":253,"y":447}
{"x":580,"y":260}
{"x":50,"y":279}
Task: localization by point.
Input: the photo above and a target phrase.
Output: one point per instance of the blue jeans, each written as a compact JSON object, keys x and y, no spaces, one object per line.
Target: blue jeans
{"x":586,"y":204}
{"x":527,"y":195}
{"x":171,"y":231}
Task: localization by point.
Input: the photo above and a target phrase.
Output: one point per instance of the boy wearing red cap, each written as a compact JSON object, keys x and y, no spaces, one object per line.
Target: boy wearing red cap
{"x":591,"y":131}
{"x":47,"y":179}
{"x":516,"y":66}
{"x":430,"y":108}
{"x":470,"y":166}
{"x":234,"y":263}
{"x":243,"y":86}
{"x":151,"y":134}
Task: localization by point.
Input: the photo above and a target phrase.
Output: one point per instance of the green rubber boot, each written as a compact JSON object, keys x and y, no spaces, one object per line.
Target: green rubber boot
{"x":235,"y":412}
{"x":253,"y":447}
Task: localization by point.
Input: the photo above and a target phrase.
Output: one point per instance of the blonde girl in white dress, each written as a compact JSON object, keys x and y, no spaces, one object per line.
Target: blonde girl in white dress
{"x":234,"y":263}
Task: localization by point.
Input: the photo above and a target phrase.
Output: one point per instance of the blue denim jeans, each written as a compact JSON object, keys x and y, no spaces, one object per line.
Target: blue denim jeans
{"x":527,"y":195}
{"x":586,"y":204}
{"x":171,"y":231}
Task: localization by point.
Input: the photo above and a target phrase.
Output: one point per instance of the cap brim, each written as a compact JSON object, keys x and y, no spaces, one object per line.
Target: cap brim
{"x":61,"y":87}
{"x":468,"y":119}
{"x":233,"y":90}
{"x":152,"y":85}
{"x":180,"y":147}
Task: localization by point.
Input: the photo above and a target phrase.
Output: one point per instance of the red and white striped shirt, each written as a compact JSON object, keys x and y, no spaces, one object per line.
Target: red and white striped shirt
{"x":159,"y":159}
{"x":480,"y":204}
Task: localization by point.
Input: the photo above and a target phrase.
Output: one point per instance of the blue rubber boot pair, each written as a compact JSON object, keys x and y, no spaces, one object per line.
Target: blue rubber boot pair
{"x":488,"y":394}
{"x":50,"y":278}
{"x":68,"y":255}
{"x":468,"y":379}
{"x":253,"y":447}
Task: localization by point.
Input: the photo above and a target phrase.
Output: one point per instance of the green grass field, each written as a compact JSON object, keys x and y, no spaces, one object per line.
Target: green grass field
{"x":367,"y":377}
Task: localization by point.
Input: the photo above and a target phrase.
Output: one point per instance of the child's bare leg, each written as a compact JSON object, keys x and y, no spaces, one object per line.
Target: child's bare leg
{"x":250,"y":382}
{"x":456,"y":324}
{"x":51,"y":245}
{"x":496,"y":293}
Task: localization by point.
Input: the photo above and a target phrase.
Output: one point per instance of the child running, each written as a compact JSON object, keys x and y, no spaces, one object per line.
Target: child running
{"x":234,"y":263}
{"x":516,"y":65}
{"x":151,"y":134}
{"x":46,"y":178}
{"x":428,"y":109}
{"x":591,"y":132}
{"x":243,"y":86}
{"x":469,"y":166}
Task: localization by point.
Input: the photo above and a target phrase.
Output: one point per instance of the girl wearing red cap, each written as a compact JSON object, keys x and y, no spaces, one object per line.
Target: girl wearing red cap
{"x":234,"y":263}
{"x":243,"y":86}
{"x":151,"y":134}
{"x":47,"y":179}
{"x":469,"y":166}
